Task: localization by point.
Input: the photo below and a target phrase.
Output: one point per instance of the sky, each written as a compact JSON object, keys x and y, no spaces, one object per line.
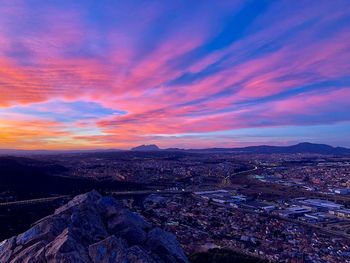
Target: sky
{"x":97,"y":74}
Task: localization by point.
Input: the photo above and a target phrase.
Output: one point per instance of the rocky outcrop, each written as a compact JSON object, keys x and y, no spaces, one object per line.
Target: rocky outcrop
{"x":96,"y":229}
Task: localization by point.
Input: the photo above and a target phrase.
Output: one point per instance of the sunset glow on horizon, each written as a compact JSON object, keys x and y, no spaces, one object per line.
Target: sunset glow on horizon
{"x":189,"y":74}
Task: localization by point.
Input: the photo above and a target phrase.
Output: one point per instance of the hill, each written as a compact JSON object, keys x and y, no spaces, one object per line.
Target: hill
{"x":146,"y":148}
{"x":299,"y":148}
{"x":27,"y":177}
{"x":304,"y":147}
{"x":93,"y":229}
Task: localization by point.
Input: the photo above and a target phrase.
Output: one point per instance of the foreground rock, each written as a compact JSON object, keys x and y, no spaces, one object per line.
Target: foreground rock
{"x":92,"y":228}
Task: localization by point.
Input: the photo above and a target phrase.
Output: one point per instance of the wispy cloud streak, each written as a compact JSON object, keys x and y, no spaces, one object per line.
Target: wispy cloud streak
{"x":172,"y":72}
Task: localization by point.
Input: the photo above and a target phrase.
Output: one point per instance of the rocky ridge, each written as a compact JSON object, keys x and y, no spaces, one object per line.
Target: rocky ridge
{"x":96,"y":229}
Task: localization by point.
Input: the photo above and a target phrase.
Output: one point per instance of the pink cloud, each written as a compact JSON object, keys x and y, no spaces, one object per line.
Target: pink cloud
{"x":265,"y":78}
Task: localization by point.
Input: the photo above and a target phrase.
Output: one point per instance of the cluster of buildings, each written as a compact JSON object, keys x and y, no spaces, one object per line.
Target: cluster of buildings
{"x":331,"y":178}
{"x":297,"y":223}
{"x":274,"y":231}
{"x":310,"y":206}
{"x":311,"y":210}
{"x":232,"y":198}
{"x":165,"y":168}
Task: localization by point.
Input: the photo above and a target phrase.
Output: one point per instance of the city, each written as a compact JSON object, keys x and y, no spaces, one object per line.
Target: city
{"x":273,"y":207}
{"x":174,"y":131}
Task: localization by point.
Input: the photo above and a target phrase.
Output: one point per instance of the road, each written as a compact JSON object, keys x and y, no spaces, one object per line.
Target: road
{"x":62,"y":197}
{"x":34,"y":201}
{"x":148,"y":192}
{"x":243,"y":172}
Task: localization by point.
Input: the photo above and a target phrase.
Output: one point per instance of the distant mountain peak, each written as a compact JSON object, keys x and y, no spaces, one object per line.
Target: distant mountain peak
{"x":146,"y":147}
{"x":304,"y":143}
{"x":310,"y":144}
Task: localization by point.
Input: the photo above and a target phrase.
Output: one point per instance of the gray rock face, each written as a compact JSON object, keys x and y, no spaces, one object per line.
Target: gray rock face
{"x":92,"y":229}
{"x":111,"y":249}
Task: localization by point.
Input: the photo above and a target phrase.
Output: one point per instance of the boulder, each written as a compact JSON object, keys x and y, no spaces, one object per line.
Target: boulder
{"x":32,"y":254}
{"x":80,"y":201}
{"x":165,"y":245}
{"x":65,"y":248}
{"x":6,"y":249}
{"x":138,"y":255}
{"x":111,"y":249}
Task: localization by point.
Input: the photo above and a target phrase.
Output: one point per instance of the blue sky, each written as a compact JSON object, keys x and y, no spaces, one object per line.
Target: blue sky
{"x":103,"y":74}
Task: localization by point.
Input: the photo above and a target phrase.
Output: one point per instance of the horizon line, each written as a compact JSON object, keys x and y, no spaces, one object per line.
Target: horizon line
{"x":131,"y":149}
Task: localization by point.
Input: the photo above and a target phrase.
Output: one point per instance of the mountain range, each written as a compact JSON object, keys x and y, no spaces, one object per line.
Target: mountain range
{"x":304,"y":147}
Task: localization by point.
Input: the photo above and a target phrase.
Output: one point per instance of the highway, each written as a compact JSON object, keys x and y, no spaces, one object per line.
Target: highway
{"x":34,"y":201}
{"x":67,"y":197}
{"x":171,"y":192}
{"x":148,"y":192}
{"x":243,"y":172}
{"x":116,"y":194}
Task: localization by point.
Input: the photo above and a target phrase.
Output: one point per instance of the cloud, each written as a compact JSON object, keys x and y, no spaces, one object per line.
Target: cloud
{"x":129,"y":72}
